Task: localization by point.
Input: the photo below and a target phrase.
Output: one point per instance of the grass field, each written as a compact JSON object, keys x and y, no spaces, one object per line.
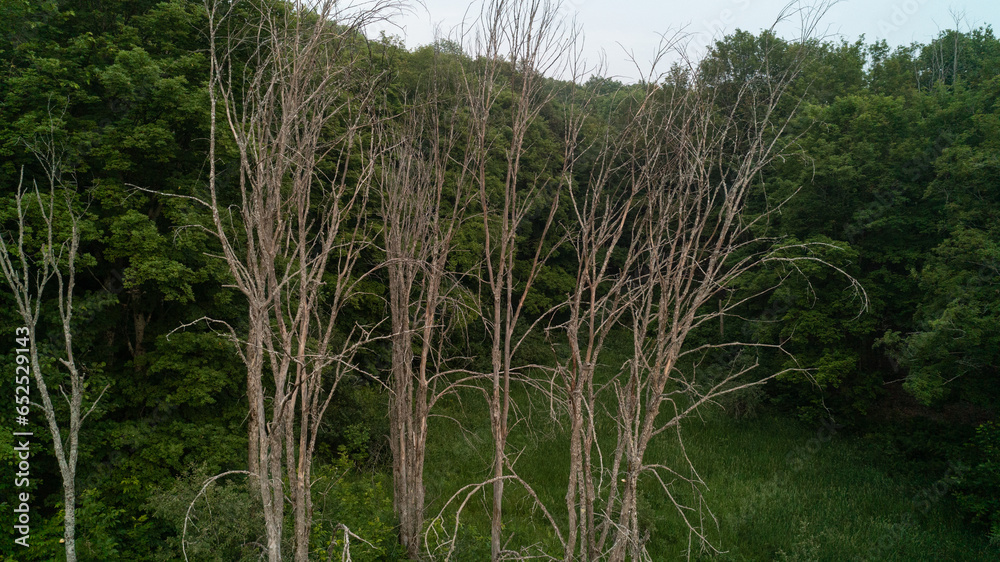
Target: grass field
{"x":778,"y":489}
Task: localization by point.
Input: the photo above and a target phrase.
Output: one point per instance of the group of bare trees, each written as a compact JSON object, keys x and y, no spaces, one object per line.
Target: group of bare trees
{"x":662,"y":233}
{"x":658,"y":224}
{"x":297,"y":99}
{"x":436,"y":181}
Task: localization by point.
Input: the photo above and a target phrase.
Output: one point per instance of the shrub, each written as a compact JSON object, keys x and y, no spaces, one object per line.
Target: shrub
{"x":978,"y":490}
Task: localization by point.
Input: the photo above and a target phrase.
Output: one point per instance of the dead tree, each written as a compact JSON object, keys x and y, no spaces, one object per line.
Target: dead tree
{"x":602,"y":206}
{"x":515,"y":44}
{"x":699,"y":239}
{"x":31,"y":270}
{"x":292,"y":88}
{"x":425,"y":200}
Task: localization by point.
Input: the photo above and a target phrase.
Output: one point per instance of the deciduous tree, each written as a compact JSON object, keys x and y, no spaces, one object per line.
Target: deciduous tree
{"x":43,"y":254}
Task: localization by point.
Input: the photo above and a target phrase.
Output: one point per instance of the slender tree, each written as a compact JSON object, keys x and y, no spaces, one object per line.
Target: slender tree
{"x":607,"y":249}
{"x":55,"y":222}
{"x":519,"y":41}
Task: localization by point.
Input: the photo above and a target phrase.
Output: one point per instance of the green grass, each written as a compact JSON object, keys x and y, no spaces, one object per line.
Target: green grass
{"x":779,"y":490}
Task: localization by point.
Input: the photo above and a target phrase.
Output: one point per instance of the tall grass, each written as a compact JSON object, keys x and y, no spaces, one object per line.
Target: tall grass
{"x":779,"y":490}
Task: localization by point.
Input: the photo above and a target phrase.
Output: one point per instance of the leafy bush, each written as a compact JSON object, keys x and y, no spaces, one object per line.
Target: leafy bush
{"x":978,"y":490}
{"x":225,"y":523}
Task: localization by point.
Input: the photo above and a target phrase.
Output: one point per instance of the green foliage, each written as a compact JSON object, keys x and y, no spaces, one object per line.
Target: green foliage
{"x":978,"y":490}
{"x":952,"y":352}
{"x":223,"y":524}
{"x":359,"y":427}
{"x":362,"y":503}
{"x":195,"y":368}
{"x":101,"y":527}
{"x":133,"y":236}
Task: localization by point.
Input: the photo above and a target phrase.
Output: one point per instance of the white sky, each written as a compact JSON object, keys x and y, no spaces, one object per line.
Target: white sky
{"x":618,"y":26}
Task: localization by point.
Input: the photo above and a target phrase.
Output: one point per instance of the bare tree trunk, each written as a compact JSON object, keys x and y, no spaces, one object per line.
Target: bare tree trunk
{"x":423,"y":211}
{"x":530,"y":37}
{"x":602,"y":207}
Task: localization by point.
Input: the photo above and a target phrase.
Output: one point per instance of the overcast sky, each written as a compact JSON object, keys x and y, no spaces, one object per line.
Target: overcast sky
{"x":620,"y":26}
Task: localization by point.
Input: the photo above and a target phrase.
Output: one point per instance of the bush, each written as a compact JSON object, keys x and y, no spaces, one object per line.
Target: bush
{"x":225,"y":525}
{"x":978,"y":490}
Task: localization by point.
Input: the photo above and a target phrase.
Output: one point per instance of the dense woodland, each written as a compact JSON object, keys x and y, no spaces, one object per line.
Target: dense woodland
{"x":295,"y":293}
